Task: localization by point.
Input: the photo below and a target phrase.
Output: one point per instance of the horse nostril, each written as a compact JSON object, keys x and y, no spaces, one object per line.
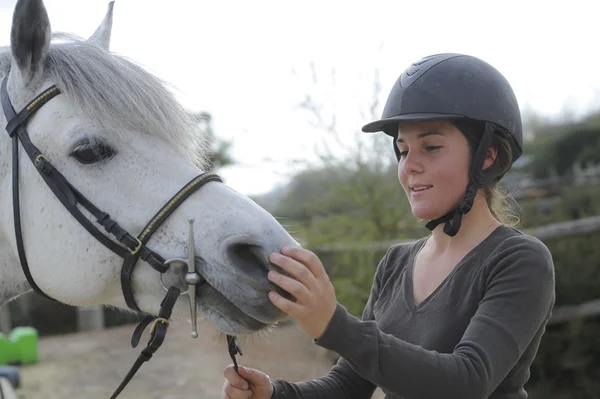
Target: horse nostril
{"x":253,"y":261}
{"x":249,"y":258}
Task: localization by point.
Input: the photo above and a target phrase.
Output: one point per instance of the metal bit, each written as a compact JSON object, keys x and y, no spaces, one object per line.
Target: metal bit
{"x":192,"y":277}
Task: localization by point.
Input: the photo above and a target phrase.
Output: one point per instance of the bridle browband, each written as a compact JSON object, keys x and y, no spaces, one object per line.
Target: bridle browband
{"x":127,"y":246}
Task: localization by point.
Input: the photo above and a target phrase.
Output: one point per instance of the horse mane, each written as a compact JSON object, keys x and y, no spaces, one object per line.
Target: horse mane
{"x":118,"y":95}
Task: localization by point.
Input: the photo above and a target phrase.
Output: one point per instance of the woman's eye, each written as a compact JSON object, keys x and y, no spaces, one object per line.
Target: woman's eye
{"x":89,"y":153}
{"x":429,"y":148}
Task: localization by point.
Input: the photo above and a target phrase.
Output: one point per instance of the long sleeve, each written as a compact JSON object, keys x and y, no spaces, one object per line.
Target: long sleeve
{"x":516,"y":304}
{"x":342,"y":382}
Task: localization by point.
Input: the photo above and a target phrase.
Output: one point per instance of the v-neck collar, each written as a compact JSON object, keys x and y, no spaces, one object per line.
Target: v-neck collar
{"x":409,"y":297}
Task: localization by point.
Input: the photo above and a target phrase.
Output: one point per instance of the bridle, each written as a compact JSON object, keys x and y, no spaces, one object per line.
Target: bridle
{"x":128,"y":247}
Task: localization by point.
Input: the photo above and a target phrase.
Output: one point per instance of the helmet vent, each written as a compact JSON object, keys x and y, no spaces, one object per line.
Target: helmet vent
{"x":417,"y":69}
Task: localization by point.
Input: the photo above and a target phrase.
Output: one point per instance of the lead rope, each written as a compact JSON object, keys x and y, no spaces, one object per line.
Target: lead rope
{"x":234,"y":349}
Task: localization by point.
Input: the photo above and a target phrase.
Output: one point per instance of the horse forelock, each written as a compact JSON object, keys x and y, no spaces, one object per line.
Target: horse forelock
{"x":118,"y":95}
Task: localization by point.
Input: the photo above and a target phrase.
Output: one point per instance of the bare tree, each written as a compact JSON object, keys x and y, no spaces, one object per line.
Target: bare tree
{"x":371,"y":195}
{"x":219,"y":150}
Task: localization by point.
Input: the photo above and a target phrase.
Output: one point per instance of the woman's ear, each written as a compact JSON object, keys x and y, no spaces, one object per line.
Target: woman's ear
{"x":490,"y":157}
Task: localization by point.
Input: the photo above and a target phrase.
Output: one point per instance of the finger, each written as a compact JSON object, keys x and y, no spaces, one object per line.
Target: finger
{"x":236,"y":393}
{"x":234,"y":378}
{"x":307,"y":258}
{"x":294,"y":287}
{"x":299,"y":271}
{"x":254,"y":377}
{"x":287,"y":306}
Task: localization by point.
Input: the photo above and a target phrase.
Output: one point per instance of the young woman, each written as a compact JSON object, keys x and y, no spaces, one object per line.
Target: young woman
{"x":459,"y":313}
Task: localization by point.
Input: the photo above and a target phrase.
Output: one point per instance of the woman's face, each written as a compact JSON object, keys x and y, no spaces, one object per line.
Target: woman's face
{"x":434,"y":166}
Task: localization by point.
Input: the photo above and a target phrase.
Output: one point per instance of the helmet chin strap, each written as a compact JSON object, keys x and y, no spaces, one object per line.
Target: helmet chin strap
{"x":453,"y":219}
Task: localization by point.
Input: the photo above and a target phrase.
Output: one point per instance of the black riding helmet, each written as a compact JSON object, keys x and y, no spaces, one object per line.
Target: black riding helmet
{"x":451,"y":87}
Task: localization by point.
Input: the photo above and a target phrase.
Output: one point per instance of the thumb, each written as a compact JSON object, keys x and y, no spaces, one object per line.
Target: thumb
{"x":255,"y":377}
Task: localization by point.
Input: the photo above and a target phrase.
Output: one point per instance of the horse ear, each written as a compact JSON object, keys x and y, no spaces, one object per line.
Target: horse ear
{"x":102,"y":35}
{"x":30,"y":36}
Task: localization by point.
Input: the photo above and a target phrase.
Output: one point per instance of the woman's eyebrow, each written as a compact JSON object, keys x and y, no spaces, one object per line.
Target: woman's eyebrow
{"x":424,"y":134}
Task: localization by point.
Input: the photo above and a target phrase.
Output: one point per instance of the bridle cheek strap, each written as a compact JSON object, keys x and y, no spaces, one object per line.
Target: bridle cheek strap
{"x":14,"y":124}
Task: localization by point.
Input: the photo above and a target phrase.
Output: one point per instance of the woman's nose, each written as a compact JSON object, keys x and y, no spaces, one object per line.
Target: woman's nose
{"x":411,"y":163}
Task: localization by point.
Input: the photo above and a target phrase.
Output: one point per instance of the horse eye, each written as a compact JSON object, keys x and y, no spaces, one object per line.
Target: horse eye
{"x":88,"y":153}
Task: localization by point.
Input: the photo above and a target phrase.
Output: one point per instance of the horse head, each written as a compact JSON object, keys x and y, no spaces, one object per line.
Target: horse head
{"x":122,"y":142}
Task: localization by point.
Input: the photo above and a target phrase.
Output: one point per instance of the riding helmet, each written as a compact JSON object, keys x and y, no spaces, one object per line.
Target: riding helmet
{"x":455,"y":86}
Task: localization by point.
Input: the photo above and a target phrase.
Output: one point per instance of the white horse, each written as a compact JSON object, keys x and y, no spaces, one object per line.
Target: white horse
{"x":122,"y":140}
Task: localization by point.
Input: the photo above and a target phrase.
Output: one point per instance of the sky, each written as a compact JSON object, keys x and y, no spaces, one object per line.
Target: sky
{"x":248,"y":62}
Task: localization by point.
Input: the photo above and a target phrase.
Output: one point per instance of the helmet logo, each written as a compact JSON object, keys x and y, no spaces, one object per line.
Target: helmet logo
{"x":417,"y":69}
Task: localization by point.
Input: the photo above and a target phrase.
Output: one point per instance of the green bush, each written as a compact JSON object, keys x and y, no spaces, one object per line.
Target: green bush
{"x":351,"y":274}
{"x":568,"y":361}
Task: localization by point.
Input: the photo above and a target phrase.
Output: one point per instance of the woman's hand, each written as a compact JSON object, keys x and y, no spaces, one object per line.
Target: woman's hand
{"x":255,"y":384}
{"x":314,"y":293}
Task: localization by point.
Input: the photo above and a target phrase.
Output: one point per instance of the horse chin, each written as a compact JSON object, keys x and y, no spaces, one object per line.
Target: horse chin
{"x":224,"y":314}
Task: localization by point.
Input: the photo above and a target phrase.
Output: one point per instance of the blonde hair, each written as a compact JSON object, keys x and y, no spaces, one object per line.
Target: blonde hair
{"x":500,"y":203}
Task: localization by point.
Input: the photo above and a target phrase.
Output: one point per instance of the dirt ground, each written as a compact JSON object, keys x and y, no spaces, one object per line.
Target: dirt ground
{"x":92,"y":364}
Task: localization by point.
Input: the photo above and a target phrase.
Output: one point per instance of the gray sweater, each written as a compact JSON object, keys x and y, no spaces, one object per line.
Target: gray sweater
{"x":474,"y":337}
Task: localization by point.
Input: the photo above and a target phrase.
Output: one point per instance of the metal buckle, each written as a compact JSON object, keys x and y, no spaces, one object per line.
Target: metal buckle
{"x":137,"y":248}
{"x":39,"y":158}
{"x":156,"y":321}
